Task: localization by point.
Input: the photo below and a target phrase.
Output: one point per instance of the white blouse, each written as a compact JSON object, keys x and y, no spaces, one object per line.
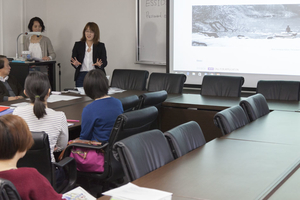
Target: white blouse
{"x":35,"y":50}
{"x":87,"y":64}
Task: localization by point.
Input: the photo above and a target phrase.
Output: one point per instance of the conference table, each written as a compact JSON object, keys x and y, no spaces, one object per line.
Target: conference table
{"x":225,"y":169}
{"x":276,"y":127}
{"x":202,"y":109}
{"x":246,"y":164}
{"x":257,"y":161}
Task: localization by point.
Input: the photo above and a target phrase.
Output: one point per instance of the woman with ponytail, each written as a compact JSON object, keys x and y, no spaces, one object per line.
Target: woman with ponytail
{"x":41,"y":118}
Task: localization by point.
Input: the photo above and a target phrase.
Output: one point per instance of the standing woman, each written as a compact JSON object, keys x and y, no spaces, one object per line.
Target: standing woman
{"x":88,"y":53}
{"x":41,"y":118}
{"x":39,"y":46}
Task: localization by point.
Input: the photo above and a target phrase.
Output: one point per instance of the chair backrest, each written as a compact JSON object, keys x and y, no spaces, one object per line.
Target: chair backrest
{"x":130,"y":103}
{"x":38,"y":156}
{"x":231,"y":119}
{"x":8,"y":191}
{"x":255,"y":106}
{"x":279,"y":90}
{"x":225,"y":86}
{"x":153,"y":99}
{"x":128,"y":79}
{"x":172,"y":83}
{"x":185,"y":138}
{"x":132,"y":122}
{"x":143,"y":153}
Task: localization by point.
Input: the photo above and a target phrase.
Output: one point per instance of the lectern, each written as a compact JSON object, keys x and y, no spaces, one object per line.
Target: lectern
{"x":21,"y":70}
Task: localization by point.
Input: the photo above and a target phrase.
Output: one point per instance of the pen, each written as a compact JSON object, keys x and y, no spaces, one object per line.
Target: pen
{"x":72,"y":120}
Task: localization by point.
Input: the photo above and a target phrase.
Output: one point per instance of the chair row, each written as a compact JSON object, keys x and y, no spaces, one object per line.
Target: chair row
{"x":238,"y":116}
{"x":147,"y":151}
{"x":231,"y":86}
{"x":137,"y":79}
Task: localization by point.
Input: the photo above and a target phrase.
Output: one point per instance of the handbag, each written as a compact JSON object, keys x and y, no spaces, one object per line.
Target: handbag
{"x":88,"y":160}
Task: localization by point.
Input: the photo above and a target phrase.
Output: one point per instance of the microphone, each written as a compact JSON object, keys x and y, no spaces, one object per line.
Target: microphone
{"x":34,"y":33}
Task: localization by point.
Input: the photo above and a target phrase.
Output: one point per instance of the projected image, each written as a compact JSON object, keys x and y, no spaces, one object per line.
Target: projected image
{"x":234,"y":25}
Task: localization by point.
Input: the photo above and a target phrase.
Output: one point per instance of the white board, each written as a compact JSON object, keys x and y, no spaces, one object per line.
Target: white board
{"x":151,"y":32}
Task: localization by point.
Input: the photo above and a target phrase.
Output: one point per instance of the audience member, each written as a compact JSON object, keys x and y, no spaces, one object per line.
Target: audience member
{"x":39,"y":46}
{"x":10,"y":89}
{"x":88,"y":53}
{"x":98,"y":117}
{"x":15,"y":140}
{"x":41,"y":118}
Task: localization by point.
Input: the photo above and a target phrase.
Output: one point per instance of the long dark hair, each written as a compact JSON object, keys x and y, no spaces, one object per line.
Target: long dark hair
{"x":37,"y":86}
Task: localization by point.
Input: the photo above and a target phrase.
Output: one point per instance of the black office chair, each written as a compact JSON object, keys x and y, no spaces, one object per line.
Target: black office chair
{"x":255,"y":106}
{"x":153,"y":99}
{"x":39,"y":157}
{"x":172,"y":83}
{"x":231,"y":119}
{"x":185,"y":138}
{"x":129,"y":79}
{"x":126,"y":124}
{"x":143,"y":153}
{"x":224,"y":86}
{"x":130,"y":103}
{"x":8,"y":191}
{"x":279,"y":90}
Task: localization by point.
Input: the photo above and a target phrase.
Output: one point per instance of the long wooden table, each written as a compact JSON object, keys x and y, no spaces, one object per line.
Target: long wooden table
{"x":252,"y":162}
{"x":202,"y":109}
{"x":276,"y":127}
{"x":225,"y":169}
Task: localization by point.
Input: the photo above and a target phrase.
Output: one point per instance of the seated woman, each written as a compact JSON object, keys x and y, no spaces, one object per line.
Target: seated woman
{"x":41,"y":118}
{"x":15,"y":140}
{"x":98,"y":117}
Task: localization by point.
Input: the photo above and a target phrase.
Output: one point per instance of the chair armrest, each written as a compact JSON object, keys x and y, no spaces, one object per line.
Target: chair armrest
{"x":90,"y":146}
{"x":70,"y":168}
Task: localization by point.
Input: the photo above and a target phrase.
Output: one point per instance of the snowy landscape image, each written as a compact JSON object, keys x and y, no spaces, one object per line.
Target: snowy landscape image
{"x":272,"y":26}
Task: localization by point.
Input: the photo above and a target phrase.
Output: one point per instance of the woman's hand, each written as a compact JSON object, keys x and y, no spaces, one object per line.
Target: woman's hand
{"x":46,"y":58}
{"x":75,"y":62}
{"x":98,"y":63}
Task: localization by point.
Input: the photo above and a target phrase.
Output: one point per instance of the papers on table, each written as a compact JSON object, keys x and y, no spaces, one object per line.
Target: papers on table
{"x":55,"y":98}
{"x":113,"y":90}
{"x":133,"y":192}
{"x":78,"y":193}
{"x":19,"y":104}
{"x":81,"y":90}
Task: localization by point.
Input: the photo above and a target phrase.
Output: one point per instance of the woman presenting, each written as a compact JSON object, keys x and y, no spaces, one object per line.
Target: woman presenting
{"x":88,"y":53}
{"x":39,"y":46}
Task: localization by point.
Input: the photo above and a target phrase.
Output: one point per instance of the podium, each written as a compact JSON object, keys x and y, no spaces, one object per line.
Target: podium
{"x":21,"y":70}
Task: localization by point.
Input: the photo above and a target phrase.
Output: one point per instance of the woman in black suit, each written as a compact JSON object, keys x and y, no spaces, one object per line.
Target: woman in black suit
{"x":88,"y":53}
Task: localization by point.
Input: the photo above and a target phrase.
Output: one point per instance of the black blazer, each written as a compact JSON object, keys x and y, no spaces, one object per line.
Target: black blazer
{"x":99,"y":52}
{"x":15,"y":86}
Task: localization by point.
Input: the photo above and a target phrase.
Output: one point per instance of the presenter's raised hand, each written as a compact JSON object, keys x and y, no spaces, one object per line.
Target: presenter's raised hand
{"x":75,"y":62}
{"x":98,"y":63}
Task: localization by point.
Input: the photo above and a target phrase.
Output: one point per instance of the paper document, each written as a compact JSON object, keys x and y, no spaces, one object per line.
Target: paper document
{"x":133,"y":192}
{"x":113,"y":90}
{"x":55,"y":98}
{"x":78,"y":193}
{"x":19,"y":104}
{"x":81,"y":90}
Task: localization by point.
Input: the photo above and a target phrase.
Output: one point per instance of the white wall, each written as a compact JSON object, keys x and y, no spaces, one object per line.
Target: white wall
{"x":65,"y":20}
